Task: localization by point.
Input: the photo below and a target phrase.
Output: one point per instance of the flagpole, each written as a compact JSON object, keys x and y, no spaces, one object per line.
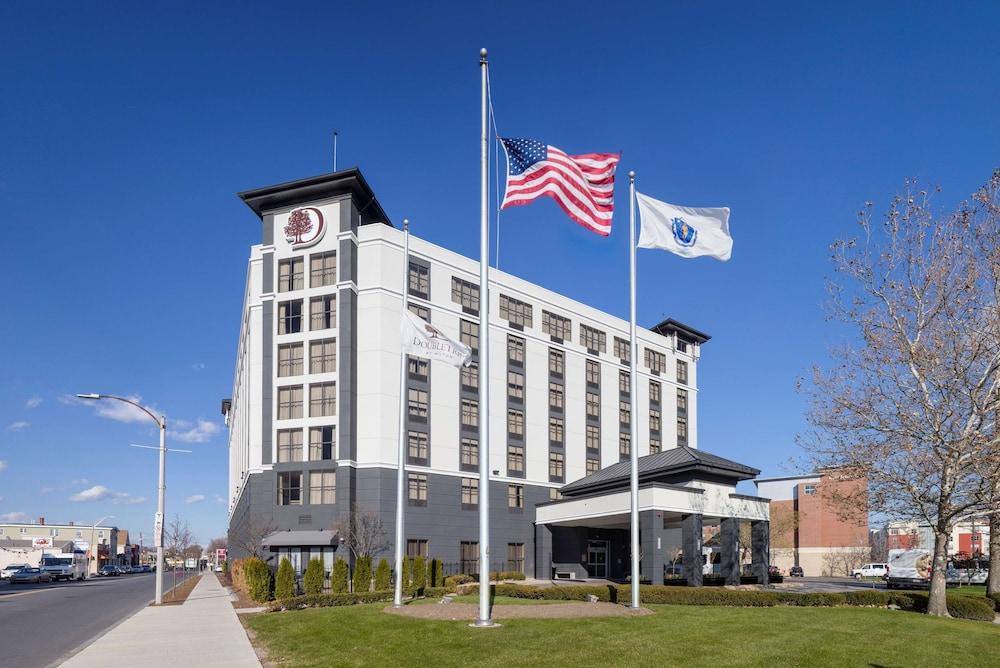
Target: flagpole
{"x":484,"y":621}
{"x":397,"y":599}
{"x":633,"y":394}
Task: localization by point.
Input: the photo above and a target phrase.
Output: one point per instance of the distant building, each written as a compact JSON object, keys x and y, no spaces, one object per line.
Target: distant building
{"x":806,"y":528}
{"x":27,"y":540}
{"x":969,"y":537}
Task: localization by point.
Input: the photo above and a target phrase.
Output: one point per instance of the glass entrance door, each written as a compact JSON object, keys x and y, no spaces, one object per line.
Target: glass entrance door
{"x":597,"y":558}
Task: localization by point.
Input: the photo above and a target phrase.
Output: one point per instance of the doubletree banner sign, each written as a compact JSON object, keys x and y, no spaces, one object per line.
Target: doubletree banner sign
{"x":423,"y":339}
{"x":305,"y":227}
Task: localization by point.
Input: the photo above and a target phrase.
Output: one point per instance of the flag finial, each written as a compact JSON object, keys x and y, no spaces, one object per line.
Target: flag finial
{"x":631,"y":175}
{"x":406,"y":223}
{"x":482,"y":55}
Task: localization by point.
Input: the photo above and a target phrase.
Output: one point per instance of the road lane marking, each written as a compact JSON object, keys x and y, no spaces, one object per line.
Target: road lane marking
{"x":4,"y":597}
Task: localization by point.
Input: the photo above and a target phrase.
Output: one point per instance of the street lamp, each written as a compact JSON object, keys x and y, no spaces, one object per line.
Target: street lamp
{"x":161,"y":422}
{"x":93,"y":548}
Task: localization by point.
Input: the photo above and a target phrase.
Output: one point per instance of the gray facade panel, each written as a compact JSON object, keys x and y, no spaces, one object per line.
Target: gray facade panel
{"x":347,"y":380}
{"x":266,"y":381}
{"x":267,"y":231}
{"x":267,"y":272}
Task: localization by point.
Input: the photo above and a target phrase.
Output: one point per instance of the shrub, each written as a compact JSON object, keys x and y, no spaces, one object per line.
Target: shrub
{"x":821,"y":600}
{"x":577,"y":593}
{"x":868,"y":597}
{"x":434,"y":592}
{"x":407,"y":574}
{"x":257,"y":577}
{"x":968,"y":607}
{"x":383,"y":576}
{"x":506,"y":575}
{"x":700,"y":596}
{"x":455,"y":580}
{"x":329,"y":600}
{"x":312,"y":581}
{"x":363,"y":575}
{"x":434,"y":577}
{"x":338,"y":578}
{"x":419,"y":573}
{"x":284,"y":582}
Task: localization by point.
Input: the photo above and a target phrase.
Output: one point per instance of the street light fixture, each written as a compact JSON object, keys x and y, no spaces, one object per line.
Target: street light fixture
{"x":161,"y":422}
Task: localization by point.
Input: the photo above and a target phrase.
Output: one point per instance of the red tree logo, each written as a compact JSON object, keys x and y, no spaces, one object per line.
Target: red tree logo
{"x":298,"y":224}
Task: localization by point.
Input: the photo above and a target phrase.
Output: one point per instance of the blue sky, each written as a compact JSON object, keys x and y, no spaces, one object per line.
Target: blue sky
{"x":126,"y":131}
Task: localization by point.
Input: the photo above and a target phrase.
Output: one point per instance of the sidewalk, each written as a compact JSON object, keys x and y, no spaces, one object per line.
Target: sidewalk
{"x":202,"y":631}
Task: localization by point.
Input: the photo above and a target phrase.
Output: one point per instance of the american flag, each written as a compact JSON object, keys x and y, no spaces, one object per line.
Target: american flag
{"x":583,"y":185}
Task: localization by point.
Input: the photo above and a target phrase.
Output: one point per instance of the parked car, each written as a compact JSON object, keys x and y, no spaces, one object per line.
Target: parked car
{"x":30,"y":574}
{"x":795,"y":572}
{"x":126,"y":569}
{"x":879,"y":570}
{"x":10,"y":570}
{"x":108,"y":570}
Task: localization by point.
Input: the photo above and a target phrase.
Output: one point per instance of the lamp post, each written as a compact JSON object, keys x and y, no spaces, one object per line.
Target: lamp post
{"x":161,"y":422}
{"x":93,"y":547}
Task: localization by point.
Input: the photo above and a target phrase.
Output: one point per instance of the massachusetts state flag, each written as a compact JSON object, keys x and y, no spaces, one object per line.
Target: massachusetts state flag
{"x":583,"y":185}
{"x":684,"y":230}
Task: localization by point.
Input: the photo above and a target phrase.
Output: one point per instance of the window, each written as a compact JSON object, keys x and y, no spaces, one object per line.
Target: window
{"x":469,"y":453}
{"x":470,"y":413}
{"x":515,"y":557}
{"x":682,"y":431}
{"x":468,"y":557}
{"x":682,"y":403}
{"x":289,"y":445}
{"x":515,"y":385}
{"x":554,"y":494}
{"x":515,"y":459}
{"x":416,"y":547}
{"x":682,"y":345}
{"x":515,"y":422}
{"x":420,"y":280}
{"x":322,"y":487}
{"x":654,"y":419}
{"x":593,"y":405}
{"x":654,"y":392}
{"x":593,"y":372}
{"x":624,"y":382}
{"x":470,"y":491}
{"x":469,"y":334}
{"x":290,"y":317}
{"x":421,"y":312}
{"x":321,"y":446}
{"x":557,"y":362}
{"x":416,"y":489}
{"x":556,"y":430}
{"x":322,"y":399}
{"x":515,"y":497}
{"x":322,"y":312}
{"x":624,"y":444}
{"x":289,"y":402}
{"x":624,"y":412}
{"x":682,"y":372}
{"x":555,"y":396}
{"x":593,"y":339}
{"x":53,"y":532}
{"x":593,"y":465}
{"x":290,"y":274}
{"x":465,"y":293}
{"x":417,"y":367}
{"x":657,"y":362}
{"x":557,"y":466}
{"x":593,"y":437}
{"x":809,"y":489}
{"x":323,"y":356}
{"x":515,"y":312}
{"x":470,"y":376}
{"x":557,"y":326}
{"x":417,"y":447}
{"x":515,"y":349}
{"x":290,"y":488}
{"x":654,"y":446}
{"x":322,"y":269}
{"x":417,"y":403}
{"x":290,"y":359}
{"x":623,"y":350}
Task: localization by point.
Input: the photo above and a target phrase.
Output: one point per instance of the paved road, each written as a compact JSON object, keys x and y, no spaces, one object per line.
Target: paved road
{"x":44,"y":624}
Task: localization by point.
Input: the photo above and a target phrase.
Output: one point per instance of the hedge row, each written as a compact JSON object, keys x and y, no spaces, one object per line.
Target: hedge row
{"x":329,"y":600}
{"x":605,"y":593}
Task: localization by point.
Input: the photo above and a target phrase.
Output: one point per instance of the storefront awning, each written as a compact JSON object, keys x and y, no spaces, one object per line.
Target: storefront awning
{"x":318,"y":538}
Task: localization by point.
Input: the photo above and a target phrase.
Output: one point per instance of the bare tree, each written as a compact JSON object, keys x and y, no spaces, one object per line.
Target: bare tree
{"x":878,"y":543}
{"x":179,"y":538}
{"x":841,"y":561}
{"x":363,"y":533}
{"x":217,"y":544}
{"x":251,"y":540}
{"x":911,"y":405}
{"x":194,"y":551}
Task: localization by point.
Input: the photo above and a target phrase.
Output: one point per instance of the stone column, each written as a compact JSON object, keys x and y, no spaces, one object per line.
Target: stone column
{"x":543,"y":552}
{"x":760,"y":539}
{"x":652,"y":538}
{"x":729,"y":539}
{"x":691,"y":539}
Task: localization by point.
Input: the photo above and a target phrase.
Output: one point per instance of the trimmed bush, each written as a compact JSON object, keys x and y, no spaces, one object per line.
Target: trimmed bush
{"x":699,"y":596}
{"x":606,"y":593}
{"x":455,"y":580}
{"x":257,"y":578}
{"x":362,"y":575}
{"x":329,"y":600}
{"x":383,"y":576}
{"x":419,"y":573}
{"x":506,"y":575}
{"x":968,"y":607}
{"x":312,"y":581}
{"x":434,"y":592}
{"x":338,"y":577}
{"x":407,"y":572}
{"x":434,"y":575}
{"x":284,"y":581}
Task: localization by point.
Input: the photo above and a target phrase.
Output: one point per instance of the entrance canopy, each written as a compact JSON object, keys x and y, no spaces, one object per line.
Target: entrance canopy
{"x":320,"y":538}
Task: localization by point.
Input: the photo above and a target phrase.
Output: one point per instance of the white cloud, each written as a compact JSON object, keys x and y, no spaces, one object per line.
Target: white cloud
{"x":198,"y":366}
{"x":112,"y":409}
{"x":20,"y":425}
{"x":33,"y":402}
{"x":14,"y":517}
{"x":125,"y":499}
{"x":219,"y":499}
{"x":3,"y":465}
{"x":95,"y":493}
{"x":195,"y":498}
{"x":201,"y":432}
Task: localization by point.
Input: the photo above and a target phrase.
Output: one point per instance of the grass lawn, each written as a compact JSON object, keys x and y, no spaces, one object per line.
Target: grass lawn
{"x":675,"y":636}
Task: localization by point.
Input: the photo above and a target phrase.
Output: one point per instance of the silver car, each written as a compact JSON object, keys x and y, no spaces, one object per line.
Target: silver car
{"x":35,"y":575}
{"x":10,"y":570}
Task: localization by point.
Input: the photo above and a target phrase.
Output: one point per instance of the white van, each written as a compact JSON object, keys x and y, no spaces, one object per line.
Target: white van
{"x":879,"y":570}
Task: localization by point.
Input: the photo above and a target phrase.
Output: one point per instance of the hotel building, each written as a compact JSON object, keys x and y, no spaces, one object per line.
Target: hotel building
{"x":313,"y":416}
